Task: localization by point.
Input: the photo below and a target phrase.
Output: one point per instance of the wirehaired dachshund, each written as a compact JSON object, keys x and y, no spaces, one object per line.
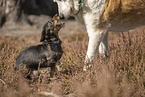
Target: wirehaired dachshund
{"x":46,"y":54}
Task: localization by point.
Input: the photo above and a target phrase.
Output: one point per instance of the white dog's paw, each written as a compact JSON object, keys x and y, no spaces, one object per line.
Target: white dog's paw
{"x":87,"y":67}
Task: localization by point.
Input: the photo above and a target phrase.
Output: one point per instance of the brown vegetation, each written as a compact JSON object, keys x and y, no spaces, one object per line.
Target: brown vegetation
{"x":121,"y":74}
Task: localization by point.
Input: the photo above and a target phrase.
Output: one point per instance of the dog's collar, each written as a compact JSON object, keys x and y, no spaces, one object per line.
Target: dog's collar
{"x":81,"y":5}
{"x":58,"y":42}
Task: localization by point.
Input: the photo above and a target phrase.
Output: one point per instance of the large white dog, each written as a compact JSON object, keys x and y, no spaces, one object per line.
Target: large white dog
{"x":101,"y":16}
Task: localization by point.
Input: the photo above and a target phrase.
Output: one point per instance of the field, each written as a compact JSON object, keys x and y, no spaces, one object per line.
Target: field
{"x":121,"y":74}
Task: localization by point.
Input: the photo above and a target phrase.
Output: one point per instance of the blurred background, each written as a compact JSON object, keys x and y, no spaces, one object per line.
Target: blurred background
{"x":20,"y":10}
{"x":28,"y":16}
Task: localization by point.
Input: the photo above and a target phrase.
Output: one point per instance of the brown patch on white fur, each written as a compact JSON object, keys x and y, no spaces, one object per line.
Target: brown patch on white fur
{"x":123,"y":14}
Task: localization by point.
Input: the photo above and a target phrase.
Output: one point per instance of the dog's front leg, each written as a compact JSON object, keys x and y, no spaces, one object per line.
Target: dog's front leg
{"x":95,"y":39}
{"x":96,"y":36}
{"x":103,"y":47}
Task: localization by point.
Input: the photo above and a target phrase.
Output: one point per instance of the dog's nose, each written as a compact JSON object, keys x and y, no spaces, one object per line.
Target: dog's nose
{"x":56,"y":15}
{"x":61,"y":16}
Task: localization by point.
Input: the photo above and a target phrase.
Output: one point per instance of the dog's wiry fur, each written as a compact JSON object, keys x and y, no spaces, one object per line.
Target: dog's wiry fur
{"x":101,"y":16}
{"x":46,"y":54}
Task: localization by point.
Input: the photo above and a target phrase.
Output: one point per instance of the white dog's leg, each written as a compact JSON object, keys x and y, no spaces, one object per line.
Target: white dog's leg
{"x":94,"y":41}
{"x":103,"y":47}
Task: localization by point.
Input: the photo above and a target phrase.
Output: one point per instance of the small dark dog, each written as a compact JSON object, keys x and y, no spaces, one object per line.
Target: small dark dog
{"x":46,"y":54}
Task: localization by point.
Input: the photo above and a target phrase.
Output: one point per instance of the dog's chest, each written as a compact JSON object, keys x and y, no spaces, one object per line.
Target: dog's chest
{"x":54,"y":51}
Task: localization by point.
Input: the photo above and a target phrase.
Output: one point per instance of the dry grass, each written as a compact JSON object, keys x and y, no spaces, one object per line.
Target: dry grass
{"x":122,"y":74}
